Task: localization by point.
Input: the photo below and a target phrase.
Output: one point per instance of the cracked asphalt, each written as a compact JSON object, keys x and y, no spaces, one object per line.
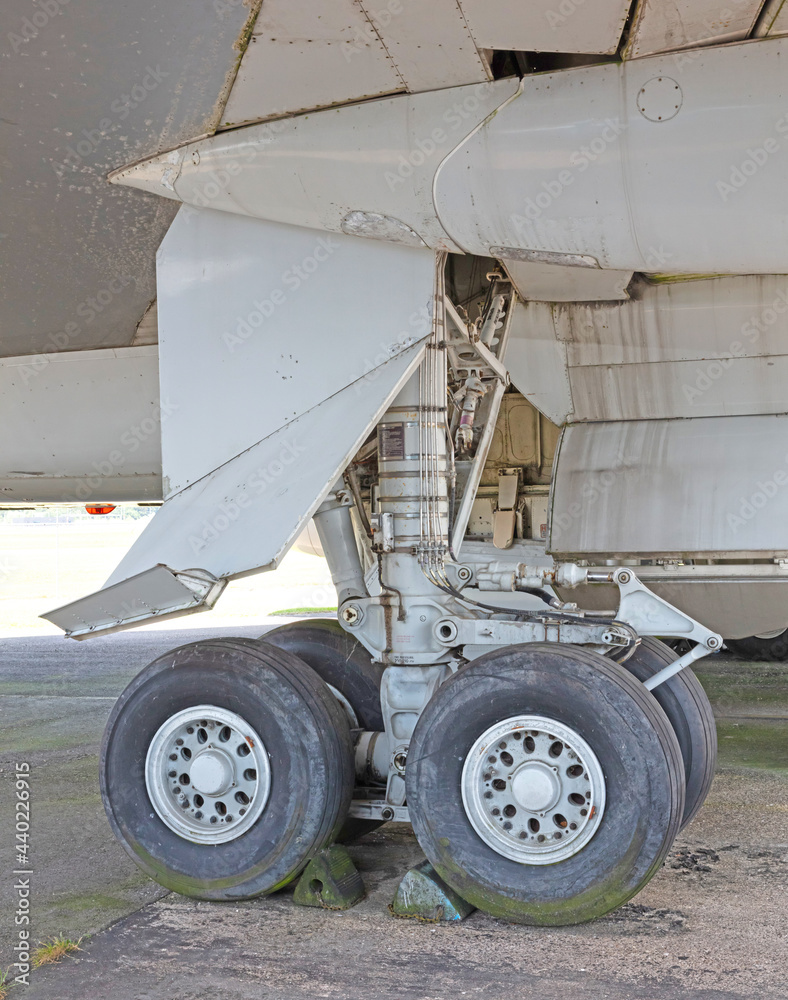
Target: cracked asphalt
{"x":711,"y":925}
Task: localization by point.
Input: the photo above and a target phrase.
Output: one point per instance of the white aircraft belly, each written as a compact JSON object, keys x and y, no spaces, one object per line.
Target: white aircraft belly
{"x":647,"y":165}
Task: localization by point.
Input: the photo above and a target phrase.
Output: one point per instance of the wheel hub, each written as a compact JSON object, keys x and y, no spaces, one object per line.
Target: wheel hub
{"x":207,"y":774}
{"x":535,"y":786}
{"x":533,"y":790}
{"x":212,"y":772}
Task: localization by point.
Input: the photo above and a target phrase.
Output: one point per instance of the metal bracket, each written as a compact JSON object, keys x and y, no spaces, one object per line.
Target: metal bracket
{"x":649,"y":614}
{"x":639,"y":609}
{"x":378,"y":809}
{"x":505,"y":517}
{"x":382,"y":532}
{"x":453,"y":631}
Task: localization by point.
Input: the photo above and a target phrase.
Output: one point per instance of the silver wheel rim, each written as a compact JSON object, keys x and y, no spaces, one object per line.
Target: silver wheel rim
{"x":533,"y":790}
{"x":226,"y":771}
{"x":344,"y":704}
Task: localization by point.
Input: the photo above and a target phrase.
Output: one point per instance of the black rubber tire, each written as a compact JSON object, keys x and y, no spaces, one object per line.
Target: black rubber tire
{"x":306,"y":737}
{"x":345,"y":664}
{"x":339,"y":659}
{"x":685,"y":703}
{"x":753,"y":647}
{"x":630,"y":735}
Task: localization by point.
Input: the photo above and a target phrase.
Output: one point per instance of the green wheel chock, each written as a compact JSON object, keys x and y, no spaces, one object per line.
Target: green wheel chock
{"x":423,"y":895}
{"x":330,"y":880}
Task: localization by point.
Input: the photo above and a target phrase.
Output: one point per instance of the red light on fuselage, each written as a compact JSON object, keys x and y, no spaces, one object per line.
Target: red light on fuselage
{"x":100,"y":508}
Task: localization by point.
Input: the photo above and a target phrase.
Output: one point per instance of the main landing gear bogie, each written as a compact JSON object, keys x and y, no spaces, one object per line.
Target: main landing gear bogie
{"x":545,"y":783}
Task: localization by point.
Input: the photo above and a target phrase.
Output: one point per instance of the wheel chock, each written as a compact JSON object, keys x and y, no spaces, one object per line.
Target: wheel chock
{"x":423,"y":895}
{"x":330,"y":881}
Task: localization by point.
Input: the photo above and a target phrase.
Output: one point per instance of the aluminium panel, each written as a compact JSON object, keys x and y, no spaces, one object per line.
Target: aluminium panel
{"x":430,"y":44}
{"x":536,"y":360}
{"x":81,"y":425}
{"x":302,"y":55}
{"x":259,"y":322}
{"x":738,"y":316}
{"x":658,"y":26}
{"x":709,"y":388}
{"x":593,"y":26}
{"x":711,"y":485}
{"x":779,"y":25}
{"x":157,"y":593}
{"x":538,"y":282}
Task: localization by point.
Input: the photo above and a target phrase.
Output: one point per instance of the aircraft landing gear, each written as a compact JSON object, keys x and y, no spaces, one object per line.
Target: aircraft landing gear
{"x":540,"y":752}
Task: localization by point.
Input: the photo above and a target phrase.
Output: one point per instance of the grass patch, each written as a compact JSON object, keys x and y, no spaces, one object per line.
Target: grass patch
{"x":753,"y":743}
{"x":52,"y":951}
{"x":304,"y":611}
{"x":5,"y":986}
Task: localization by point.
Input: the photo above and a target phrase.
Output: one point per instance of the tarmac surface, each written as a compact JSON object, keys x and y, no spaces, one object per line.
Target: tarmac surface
{"x":711,"y":925}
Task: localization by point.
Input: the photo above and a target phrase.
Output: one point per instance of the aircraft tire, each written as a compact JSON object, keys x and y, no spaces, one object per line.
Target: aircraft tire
{"x":686,"y":705}
{"x":548,"y":728}
{"x":347,"y":667}
{"x":761,"y":648}
{"x":225,"y":766}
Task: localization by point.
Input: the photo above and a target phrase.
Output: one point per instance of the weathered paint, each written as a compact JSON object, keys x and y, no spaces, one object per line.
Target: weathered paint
{"x":707,"y":347}
{"x":684,"y":24}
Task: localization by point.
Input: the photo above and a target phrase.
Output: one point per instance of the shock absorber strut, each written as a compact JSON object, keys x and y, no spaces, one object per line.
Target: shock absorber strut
{"x":412,"y":525}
